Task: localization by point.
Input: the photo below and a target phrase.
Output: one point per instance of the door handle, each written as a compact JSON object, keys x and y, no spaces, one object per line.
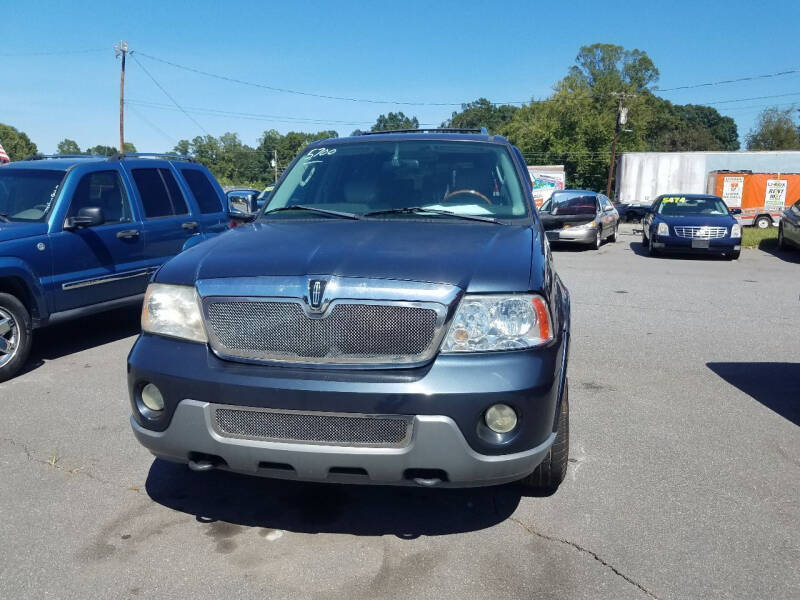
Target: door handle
{"x":127,"y":234}
{"x":189,"y":225}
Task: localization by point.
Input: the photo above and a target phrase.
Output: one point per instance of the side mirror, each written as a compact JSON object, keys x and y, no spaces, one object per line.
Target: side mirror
{"x":88,"y":216}
{"x":241,"y":217}
{"x":736,"y":211}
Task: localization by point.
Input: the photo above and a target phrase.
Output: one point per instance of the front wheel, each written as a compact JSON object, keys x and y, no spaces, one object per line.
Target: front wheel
{"x":734,"y":255}
{"x":613,"y":237}
{"x":552,"y":470}
{"x":598,"y":239}
{"x":781,"y":241}
{"x":651,"y":249}
{"x":15,"y":336}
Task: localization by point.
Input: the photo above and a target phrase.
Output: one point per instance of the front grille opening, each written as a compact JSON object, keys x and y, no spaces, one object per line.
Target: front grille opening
{"x":202,"y":458}
{"x":273,"y":466}
{"x":348,"y":334}
{"x":313,"y":428}
{"x":348,"y":471}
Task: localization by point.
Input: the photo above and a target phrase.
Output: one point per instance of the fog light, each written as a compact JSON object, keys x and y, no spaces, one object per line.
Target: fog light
{"x":152,"y":398}
{"x":501,"y":418}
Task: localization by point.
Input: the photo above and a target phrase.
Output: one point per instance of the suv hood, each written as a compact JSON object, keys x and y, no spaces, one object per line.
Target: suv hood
{"x":15,"y":230}
{"x":480,"y":257}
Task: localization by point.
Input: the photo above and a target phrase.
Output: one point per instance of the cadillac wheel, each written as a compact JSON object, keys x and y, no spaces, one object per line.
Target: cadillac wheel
{"x":15,"y":336}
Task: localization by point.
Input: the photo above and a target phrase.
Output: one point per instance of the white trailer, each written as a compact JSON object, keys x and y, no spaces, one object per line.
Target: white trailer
{"x":643,"y":176}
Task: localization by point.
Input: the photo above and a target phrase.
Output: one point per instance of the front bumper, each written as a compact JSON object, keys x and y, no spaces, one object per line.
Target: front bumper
{"x":437,"y":453}
{"x":673,"y":243}
{"x":571,"y":235}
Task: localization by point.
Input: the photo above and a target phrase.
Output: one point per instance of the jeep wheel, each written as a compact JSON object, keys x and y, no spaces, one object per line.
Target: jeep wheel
{"x":15,"y":336}
{"x":781,"y":241}
{"x":552,"y":470}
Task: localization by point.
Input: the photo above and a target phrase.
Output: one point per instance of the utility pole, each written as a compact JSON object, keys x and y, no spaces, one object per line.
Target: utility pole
{"x":275,"y":162}
{"x":120,"y":50}
{"x":622,"y":118}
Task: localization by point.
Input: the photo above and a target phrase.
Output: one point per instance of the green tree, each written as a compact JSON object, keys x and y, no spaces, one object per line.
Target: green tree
{"x":775,"y":129}
{"x":394,"y":121}
{"x":102,"y":150}
{"x":68,"y":146}
{"x":129,"y":147}
{"x":482,"y":113}
{"x":16,"y":143}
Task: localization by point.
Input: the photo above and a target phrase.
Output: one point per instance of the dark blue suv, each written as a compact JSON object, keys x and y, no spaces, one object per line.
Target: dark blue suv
{"x":84,"y":234}
{"x":392,"y":316}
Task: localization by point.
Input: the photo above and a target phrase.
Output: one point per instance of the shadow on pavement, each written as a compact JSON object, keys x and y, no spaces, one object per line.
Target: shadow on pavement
{"x":640,"y":249}
{"x":792,"y":255}
{"x":69,"y":337}
{"x":328,"y":508}
{"x":776,"y":385}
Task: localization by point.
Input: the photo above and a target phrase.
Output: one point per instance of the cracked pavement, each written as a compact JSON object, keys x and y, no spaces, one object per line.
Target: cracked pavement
{"x":684,"y":477}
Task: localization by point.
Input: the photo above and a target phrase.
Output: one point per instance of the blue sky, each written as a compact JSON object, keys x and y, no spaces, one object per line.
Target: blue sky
{"x":399,"y":51}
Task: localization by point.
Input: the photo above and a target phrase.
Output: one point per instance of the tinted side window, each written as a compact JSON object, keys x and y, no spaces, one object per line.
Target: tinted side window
{"x":105,"y":190}
{"x":202,"y":190}
{"x":160,"y":194}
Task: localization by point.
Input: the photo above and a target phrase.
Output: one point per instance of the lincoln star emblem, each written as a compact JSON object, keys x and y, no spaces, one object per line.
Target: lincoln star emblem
{"x":316,"y":288}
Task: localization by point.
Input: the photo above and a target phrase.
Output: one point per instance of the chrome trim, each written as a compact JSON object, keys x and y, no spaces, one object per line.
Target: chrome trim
{"x":352,"y":288}
{"x":409,"y":420}
{"x":107,"y":279}
{"x":701,"y":232}
{"x":383,"y":361}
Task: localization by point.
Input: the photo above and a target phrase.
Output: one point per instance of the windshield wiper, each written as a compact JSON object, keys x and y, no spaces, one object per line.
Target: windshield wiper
{"x":322,"y":211}
{"x":414,"y":210}
{"x":4,"y":218}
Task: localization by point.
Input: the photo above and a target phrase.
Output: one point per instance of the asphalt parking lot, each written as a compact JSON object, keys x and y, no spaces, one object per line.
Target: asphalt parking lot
{"x":684,"y":479}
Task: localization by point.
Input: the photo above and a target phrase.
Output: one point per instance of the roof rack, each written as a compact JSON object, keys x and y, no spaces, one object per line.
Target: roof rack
{"x":164,"y":155}
{"x":482,"y":130}
{"x":57,"y":156}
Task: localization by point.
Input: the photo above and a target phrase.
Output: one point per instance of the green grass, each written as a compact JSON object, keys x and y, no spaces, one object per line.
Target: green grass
{"x":763,"y":239}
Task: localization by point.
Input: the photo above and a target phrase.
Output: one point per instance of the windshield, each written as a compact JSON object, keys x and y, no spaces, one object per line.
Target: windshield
{"x":681,"y":206}
{"x":570,"y":203}
{"x":465,"y":178}
{"x":27,"y":195}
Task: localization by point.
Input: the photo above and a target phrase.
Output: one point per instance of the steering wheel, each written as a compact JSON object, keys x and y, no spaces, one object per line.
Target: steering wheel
{"x":466,"y":191}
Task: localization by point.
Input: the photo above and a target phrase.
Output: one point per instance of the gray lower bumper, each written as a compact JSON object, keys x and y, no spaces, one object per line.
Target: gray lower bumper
{"x":436,"y":443}
{"x":581,"y":236}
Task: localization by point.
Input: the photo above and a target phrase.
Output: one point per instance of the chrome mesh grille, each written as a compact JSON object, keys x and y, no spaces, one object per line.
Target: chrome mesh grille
{"x":349,"y":333}
{"x":314,"y":428}
{"x":703,"y":233}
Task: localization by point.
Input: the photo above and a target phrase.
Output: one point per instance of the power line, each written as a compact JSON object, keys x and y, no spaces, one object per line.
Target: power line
{"x":53,"y":52}
{"x":302,"y":93}
{"x":728,"y":81}
{"x":152,"y":125}
{"x":253,"y":116}
{"x":753,"y":98}
{"x":167,"y":94}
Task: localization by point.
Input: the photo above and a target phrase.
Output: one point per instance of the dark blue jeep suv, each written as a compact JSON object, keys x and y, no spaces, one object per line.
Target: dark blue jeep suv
{"x":392,"y":316}
{"x":83,"y":234}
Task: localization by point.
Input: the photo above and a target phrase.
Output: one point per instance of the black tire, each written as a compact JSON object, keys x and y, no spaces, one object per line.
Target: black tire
{"x":613,"y":237}
{"x":598,"y":240}
{"x":734,"y":255}
{"x":781,"y":240}
{"x":552,"y":470}
{"x":14,"y":313}
{"x":651,"y":250}
{"x":763,"y":222}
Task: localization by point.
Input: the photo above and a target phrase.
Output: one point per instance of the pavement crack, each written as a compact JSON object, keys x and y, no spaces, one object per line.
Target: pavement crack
{"x":590,"y":553}
{"x":53,"y":463}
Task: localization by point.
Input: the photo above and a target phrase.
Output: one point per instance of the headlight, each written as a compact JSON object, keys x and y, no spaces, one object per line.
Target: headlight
{"x":663,"y":229}
{"x":736,"y":231}
{"x":508,"y":322}
{"x":174,"y":311}
{"x":589,"y":225}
